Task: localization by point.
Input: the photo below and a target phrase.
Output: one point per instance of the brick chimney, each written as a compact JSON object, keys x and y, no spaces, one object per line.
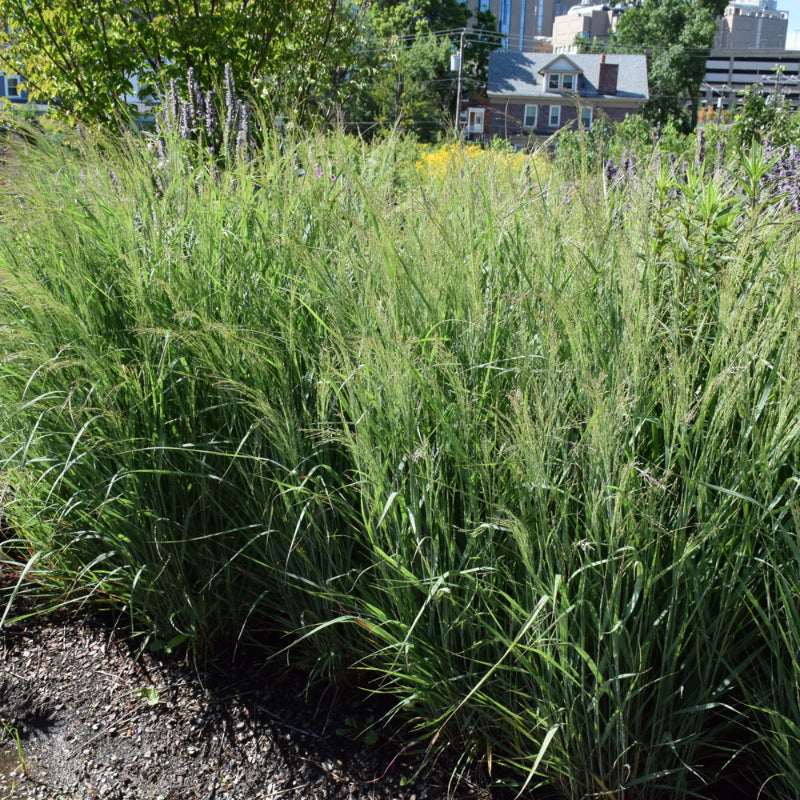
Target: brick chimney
{"x":607,"y":80}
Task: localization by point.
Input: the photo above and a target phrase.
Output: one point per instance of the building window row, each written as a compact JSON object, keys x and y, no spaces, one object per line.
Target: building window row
{"x":531,"y":117}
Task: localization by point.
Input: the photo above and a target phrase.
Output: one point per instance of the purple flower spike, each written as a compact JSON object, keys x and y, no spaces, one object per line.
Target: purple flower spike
{"x":185,"y":128}
{"x":211,"y":116}
{"x":172,"y":101}
{"x":191,"y":109}
{"x":701,"y":147}
{"x":243,"y":135}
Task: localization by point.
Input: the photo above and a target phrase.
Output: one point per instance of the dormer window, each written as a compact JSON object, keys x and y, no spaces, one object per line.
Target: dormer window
{"x":560,"y":81}
{"x":561,"y":74}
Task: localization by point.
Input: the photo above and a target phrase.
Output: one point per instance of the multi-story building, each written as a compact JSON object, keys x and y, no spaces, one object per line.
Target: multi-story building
{"x":756,"y":25}
{"x":524,"y":23}
{"x":749,"y":50}
{"x":583,"y":21}
{"x":776,"y":73}
{"x":745,"y":25}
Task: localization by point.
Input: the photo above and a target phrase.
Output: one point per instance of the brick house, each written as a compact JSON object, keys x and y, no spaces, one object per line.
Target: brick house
{"x":537,"y":94}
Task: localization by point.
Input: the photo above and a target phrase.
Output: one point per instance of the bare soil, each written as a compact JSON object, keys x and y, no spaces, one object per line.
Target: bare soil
{"x":83,"y":716}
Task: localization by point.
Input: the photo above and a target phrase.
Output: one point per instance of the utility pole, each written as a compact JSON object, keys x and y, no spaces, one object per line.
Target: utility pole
{"x":460,"y":77}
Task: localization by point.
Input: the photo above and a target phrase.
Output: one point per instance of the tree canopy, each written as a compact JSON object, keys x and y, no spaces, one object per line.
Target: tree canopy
{"x":85,"y":56}
{"x":677,"y":36}
{"x":403,"y":74}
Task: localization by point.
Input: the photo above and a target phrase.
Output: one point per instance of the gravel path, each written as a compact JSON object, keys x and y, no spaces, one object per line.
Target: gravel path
{"x":93,"y":721}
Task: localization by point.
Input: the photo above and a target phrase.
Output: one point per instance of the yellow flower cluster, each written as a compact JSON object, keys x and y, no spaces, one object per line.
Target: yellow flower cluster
{"x":467,"y":157}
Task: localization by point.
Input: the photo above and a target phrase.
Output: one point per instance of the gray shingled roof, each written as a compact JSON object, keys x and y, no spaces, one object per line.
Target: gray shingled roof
{"x":516,"y":75}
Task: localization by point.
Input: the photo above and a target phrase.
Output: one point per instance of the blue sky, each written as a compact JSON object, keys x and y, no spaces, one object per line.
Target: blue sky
{"x":793,"y":34}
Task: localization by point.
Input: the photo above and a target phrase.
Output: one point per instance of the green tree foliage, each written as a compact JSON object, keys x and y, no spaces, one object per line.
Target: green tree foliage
{"x":677,"y":36}
{"x":403,"y":78}
{"x":84,"y":56}
{"x":482,"y":39}
{"x":441,"y":15}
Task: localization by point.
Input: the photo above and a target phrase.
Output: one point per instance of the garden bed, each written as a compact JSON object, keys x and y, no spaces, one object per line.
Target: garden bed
{"x":92,"y":720}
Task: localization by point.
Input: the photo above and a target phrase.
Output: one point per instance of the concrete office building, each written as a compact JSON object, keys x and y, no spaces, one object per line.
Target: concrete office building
{"x":775,"y":73}
{"x":749,"y":50}
{"x":756,"y":25}
{"x":591,"y":22}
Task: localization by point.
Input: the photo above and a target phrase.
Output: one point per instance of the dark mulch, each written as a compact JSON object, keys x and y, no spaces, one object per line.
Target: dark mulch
{"x":96,"y":721}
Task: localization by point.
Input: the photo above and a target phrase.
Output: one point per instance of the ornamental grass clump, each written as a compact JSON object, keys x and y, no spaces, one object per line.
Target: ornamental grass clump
{"x":526,"y":461}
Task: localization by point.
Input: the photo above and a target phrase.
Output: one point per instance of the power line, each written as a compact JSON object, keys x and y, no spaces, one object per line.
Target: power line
{"x":474,"y":36}
{"x":480,"y":36}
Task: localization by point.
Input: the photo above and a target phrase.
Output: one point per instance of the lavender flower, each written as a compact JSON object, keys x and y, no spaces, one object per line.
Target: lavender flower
{"x":630,"y":166}
{"x":230,"y":94}
{"x":185,"y":127}
{"x":720,"y":162}
{"x":211,"y":116}
{"x":190,"y":105}
{"x":243,"y":134}
{"x":701,"y":147}
{"x":230,"y":86}
{"x":231,"y":105}
{"x":172,"y":102}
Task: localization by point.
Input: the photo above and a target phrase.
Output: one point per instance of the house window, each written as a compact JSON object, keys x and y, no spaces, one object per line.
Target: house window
{"x":560,"y":80}
{"x":12,"y":83}
{"x":586,"y":117}
{"x":555,"y":116}
{"x":530,"y":116}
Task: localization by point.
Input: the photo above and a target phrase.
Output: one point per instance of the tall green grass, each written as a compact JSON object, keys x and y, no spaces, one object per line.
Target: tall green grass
{"x":522,"y":455}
